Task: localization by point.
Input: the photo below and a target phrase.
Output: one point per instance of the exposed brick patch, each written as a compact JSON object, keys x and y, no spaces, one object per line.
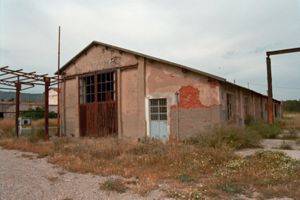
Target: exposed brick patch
{"x":189,"y":97}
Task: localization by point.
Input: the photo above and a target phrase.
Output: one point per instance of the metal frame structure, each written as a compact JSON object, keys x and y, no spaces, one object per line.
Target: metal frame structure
{"x":269,"y":76}
{"x":18,"y":80}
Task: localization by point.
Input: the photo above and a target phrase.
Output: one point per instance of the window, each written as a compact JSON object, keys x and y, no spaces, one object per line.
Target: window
{"x":98,"y":87}
{"x":106,"y":86}
{"x":158,"y":109}
{"x":87,"y":89}
{"x":229,"y":98}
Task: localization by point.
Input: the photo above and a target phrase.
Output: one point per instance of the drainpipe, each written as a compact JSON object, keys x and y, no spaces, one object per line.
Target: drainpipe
{"x":177,"y":102}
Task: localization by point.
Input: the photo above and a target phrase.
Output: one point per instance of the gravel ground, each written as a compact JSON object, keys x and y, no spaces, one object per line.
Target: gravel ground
{"x":22,"y":176}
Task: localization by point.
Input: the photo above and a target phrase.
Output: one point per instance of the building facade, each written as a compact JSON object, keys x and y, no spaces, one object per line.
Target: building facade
{"x":108,"y":90}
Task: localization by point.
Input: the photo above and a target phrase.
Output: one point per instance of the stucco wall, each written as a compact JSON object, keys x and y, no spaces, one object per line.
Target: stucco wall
{"x":199,"y":98}
{"x":99,"y":58}
{"x":257,"y":105}
{"x":71,"y":107}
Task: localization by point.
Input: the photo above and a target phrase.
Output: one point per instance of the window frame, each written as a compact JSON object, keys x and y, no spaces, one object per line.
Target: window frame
{"x":88,"y":88}
{"x":161,"y":107}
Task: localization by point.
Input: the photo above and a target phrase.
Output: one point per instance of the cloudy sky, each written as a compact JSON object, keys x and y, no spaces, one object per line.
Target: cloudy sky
{"x":226,"y":38}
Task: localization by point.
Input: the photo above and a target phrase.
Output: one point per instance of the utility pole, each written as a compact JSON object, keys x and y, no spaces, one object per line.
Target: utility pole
{"x":58,"y":88}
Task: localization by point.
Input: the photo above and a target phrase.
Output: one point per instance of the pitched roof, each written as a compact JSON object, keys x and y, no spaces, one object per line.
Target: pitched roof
{"x":137,"y":54}
{"x":95,"y":43}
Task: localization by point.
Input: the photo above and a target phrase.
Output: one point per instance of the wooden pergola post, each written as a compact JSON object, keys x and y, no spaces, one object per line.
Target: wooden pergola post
{"x":46,"y":113}
{"x":18,"y":89}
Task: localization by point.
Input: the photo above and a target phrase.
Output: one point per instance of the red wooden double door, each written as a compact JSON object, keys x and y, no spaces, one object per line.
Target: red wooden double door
{"x":98,"y":104}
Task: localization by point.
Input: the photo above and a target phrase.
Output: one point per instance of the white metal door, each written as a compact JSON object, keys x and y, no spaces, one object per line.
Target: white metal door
{"x":158,"y":118}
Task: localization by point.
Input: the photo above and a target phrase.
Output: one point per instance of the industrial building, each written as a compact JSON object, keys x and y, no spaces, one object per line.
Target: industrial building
{"x":108,"y":90}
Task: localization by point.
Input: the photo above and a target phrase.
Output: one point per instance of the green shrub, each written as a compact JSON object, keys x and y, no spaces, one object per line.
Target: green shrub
{"x":115,"y":185}
{"x":285,"y":146}
{"x":235,"y":137}
{"x":38,"y":113}
{"x":230,"y":187}
{"x":150,"y":147}
{"x":266,"y":130}
{"x":36,"y":135}
{"x":184,"y":178}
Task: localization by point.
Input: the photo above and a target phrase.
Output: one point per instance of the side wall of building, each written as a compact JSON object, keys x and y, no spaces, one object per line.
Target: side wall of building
{"x":245,"y":105}
{"x":198,"y":106}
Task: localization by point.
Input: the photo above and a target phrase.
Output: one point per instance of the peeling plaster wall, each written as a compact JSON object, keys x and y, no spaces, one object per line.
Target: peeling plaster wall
{"x":257,"y":105}
{"x":199,"y":98}
{"x":132,"y":99}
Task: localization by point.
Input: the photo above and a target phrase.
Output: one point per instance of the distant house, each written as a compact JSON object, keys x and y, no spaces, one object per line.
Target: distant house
{"x":109,"y":90}
{"x":53,"y":97}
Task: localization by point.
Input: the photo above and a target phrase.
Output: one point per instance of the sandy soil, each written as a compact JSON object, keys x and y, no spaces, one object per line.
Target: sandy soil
{"x":22,"y":176}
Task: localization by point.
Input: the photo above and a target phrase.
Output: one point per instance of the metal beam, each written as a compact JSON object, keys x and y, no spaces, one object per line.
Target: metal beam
{"x":283,"y":51}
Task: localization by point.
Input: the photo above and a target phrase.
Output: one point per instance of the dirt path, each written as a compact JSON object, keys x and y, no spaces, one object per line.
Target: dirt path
{"x":22,"y":176}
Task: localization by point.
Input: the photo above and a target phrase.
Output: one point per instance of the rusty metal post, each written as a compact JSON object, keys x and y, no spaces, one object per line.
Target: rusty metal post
{"x":46,"y":113}
{"x":18,"y":88}
{"x":270,"y":91}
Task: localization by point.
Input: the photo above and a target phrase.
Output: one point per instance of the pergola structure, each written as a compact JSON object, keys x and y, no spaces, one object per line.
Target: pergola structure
{"x":18,"y":80}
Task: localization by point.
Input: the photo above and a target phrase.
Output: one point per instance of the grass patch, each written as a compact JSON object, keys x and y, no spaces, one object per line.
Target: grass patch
{"x":7,"y":129}
{"x":177,"y":194}
{"x":36,"y":135}
{"x":24,"y":144}
{"x":184,"y":178}
{"x":265,"y":130}
{"x":230,"y":187}
{"x":285,"y":146}
{"x":291,"y":120}
{"x":234,"y":137}
{"x":113,"y":185}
